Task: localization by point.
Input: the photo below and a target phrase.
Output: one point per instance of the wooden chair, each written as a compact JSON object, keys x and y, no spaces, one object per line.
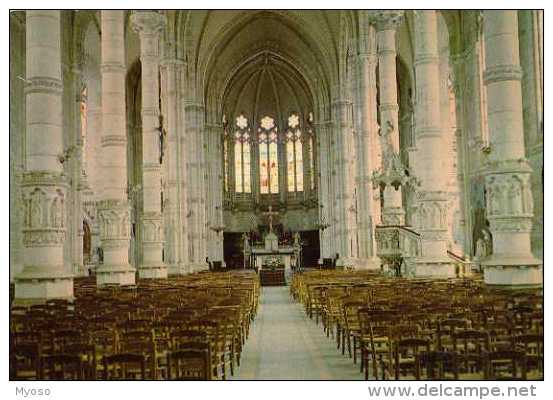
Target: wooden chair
{"x":446,"y":328}
{"x":124,"y":366}
{"x":406,"y":352}
{"x":472,"y":346}
{"x":352,"y":327}
{"x":506,"y":365}
{"x":436,"y":365}
{"x":61,"y":367}
{"x":145,"y":346}
{"x":25,"y":361}
{"x":376,"y":340}
{"x":87,"y":355}
{"x":532,"y":347}
{"x":190,"y":364}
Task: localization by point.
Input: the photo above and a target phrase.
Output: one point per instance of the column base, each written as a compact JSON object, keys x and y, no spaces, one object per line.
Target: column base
{"x":174,"y":270}
{"x":513,"y":271}
{"x":79,"y":270}
{"x":438,"y":268}
{"x":197,"y":267}
{"x":153,"y":271}
{"x":35,"y":288}
{"x":349,"y":262}
{"x":123,"y":275}
{"x":372,"y":263}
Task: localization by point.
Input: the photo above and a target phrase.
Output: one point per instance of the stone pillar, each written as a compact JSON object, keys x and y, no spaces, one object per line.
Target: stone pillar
{"x":43,"y":185}
{"x":326,"y":215}
{"x":431,"y":203}
{"x":113,"y":206}
{"x":196,"y":188}
{"x":387,"y":23}
{"x":343,"y":195}
{"x":170,"y":77}
{"x":148,"y":25}
{"x":366,"y":136}
{"x":76,"y":168}
{"x":508,"y":177}
{"x":17,"y":139}
{"x":214,"y":137}
{"x":184,"y":222}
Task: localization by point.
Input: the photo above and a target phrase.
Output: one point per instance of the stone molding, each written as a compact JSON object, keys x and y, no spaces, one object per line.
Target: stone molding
{"x":43,"y":237}
{"x":43,"y":84}
{"x":114,"y":67}
{"x":429,"y":58}
{"x":500,"y":73}
{"x":113,"y":140}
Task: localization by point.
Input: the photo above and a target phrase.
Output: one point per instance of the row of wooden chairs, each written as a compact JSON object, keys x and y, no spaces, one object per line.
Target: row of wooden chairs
{"x":371,"y":317}
{"x":162,"y":323}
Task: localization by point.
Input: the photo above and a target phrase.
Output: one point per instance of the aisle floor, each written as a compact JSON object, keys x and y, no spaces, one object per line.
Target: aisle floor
{"x":285,"y":344}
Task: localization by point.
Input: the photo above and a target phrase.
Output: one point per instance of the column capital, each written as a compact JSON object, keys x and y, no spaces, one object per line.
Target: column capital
{"x":386,"y":19}
{"x":147,"y":22}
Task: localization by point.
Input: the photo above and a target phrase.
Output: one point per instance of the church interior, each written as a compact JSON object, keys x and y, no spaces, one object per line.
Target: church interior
{"x":276,"y":194}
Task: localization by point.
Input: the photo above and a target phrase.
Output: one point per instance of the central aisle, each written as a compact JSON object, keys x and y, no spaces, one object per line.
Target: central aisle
{"x":285,"y":344}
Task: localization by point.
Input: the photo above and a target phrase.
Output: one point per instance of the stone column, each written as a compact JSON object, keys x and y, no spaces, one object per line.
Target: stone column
{"x":43,"y":185}
{"x":343,"y":196}
{"x":17,"y":139}
{"x":366,"y":137}
{"x":170,"y":76}
{"x":431,"y":203}
{"x":508,"y":177}
{"x":193,"y":139}
{"x":387,"y":23}
{"x":183,"y":181}
{"x":323,"y":131}
{"x":76,"y":167}
{"x":113,"y":206}
{"x":214,"y":135}
{"x":148,"y":25}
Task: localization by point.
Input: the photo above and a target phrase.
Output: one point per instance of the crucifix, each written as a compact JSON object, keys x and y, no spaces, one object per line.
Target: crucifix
{"x":270,"y":214}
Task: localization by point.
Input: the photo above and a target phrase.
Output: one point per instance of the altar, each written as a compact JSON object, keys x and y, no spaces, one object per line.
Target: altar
{"x":273,"y":262}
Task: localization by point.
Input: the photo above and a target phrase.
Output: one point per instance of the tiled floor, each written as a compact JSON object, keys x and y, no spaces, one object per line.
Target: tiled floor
{"x":285,"y":344}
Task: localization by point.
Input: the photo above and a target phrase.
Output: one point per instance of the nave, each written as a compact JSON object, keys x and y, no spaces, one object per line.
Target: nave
{"x":328,"y":325}
{"x":285,"y":344}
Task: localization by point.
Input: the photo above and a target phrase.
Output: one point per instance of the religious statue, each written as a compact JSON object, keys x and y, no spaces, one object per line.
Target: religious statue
{"x":386,"y":144}
{"x":270,"y":214}
{"x":297,"y":240}
{"x":483,"y":245}
{"x":161,"y":142}
{"x":36,"y":213}
{"x":246,"y":242}
{"x":56,"y":214}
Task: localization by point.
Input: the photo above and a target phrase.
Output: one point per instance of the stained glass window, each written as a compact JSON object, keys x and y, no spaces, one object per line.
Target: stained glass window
{"x":311,"y":150}
{"x":242,"y":148}
{"x":294,"y":155}
{"x":298,"y":153}
{"x":268,"y":156}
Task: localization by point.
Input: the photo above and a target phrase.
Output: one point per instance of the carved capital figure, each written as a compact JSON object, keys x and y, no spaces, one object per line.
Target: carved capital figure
{"x":386,"y":19}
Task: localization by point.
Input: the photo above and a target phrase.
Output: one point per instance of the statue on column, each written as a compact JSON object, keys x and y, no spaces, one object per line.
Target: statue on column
{"x":246,"y":242}
{"x":386,"y":144}
{"x":297,"y":240}
{"x":483,"y":245}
